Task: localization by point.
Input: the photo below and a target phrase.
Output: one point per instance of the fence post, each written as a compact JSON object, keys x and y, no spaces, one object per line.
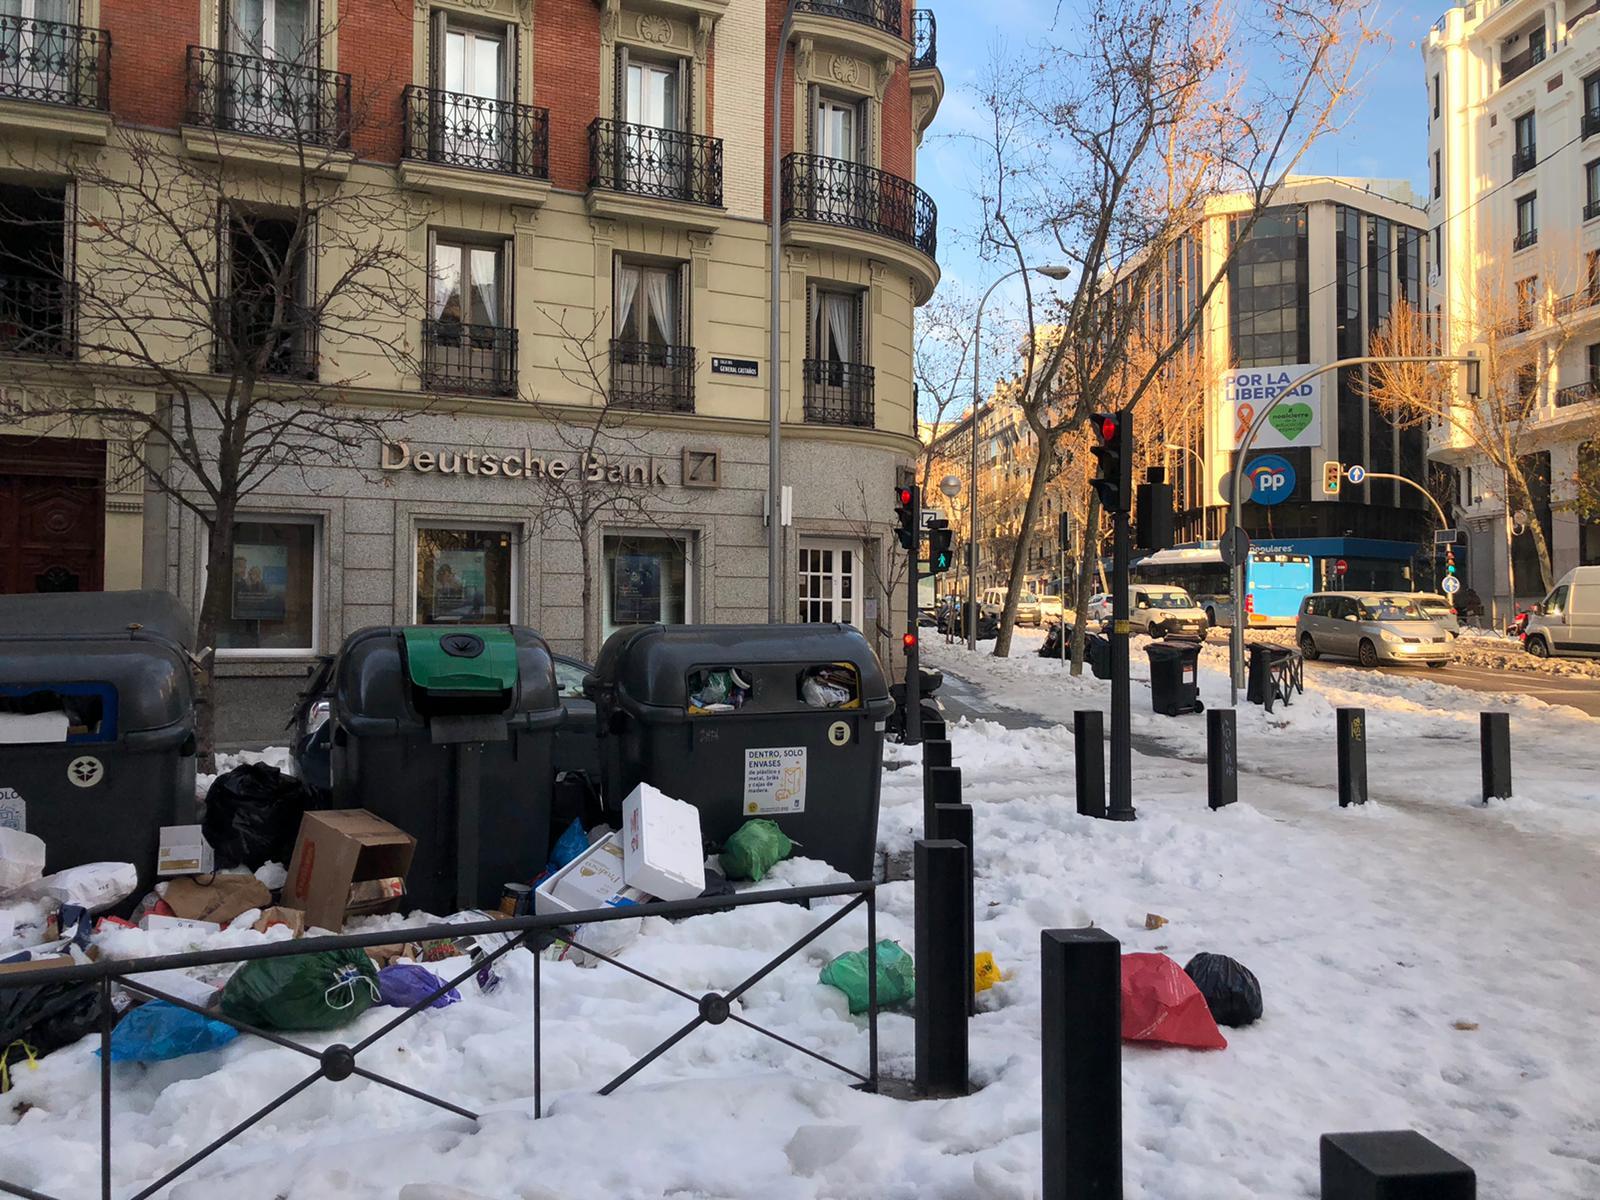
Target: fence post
{"x":1081,"y":1060}
{"x":1397,"y":1164}
{"x":944,"y":973}
{"x":1495,"y":731}
{"x":1089,"y":754}
{"x":1352,"y":737}
{"x":1222,"y":757}
{"x":953,"y":822}
{"x":940,"y":785}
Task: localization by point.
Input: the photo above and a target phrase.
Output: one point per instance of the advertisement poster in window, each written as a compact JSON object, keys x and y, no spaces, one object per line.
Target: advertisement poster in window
{"x":636,"y":590}
{"x":459,"y":585}
{"x":260,"y":582}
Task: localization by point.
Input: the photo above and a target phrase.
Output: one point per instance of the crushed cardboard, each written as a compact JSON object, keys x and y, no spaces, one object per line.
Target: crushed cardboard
{"x":218,"y":901}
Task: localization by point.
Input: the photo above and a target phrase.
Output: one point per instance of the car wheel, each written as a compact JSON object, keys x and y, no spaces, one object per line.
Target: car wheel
{"x":1211,"y":618}
{"x":1434,"y":666}
{"x":1368,"y":653}
{"x":1537,"y":646}
{"x":1308,"y":648}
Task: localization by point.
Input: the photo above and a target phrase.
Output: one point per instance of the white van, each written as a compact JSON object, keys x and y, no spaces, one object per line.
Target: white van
{"x":1568,"y":620}
{"x":1157,"y":610}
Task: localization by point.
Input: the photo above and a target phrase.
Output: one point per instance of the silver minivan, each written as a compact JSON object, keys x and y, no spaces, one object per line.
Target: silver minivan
{"x":1370,"y":627}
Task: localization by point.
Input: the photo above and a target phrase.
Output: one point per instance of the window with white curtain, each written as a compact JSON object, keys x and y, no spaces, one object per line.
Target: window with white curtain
{"x":647,"y":304}
{"x":466,"y":283}
{"x":835,"y":335}
{"x":278,"y":29}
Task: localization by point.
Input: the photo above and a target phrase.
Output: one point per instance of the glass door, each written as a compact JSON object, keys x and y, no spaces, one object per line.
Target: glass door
{"x":475,"y":76}
{"x":836,"y":139}
{"x":830,"y":583}
{"x":38,"y":47}
{"x":655,"y":161}
{"x":272,"y":88}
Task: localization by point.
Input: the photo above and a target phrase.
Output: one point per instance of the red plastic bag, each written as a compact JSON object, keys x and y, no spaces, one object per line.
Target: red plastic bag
{"x":1160,"y":1003}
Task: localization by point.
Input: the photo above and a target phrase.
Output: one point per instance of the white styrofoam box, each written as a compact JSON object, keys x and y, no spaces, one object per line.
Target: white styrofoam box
{"x":592,"y":880}
{"x":21,"y":859}
{"x":662,"y":851}
{"x":184,"y":851}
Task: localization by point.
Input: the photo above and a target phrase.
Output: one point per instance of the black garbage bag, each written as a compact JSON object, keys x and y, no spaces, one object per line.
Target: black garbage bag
{"x":253,"y":815}
{"x":1232,"y":992}
{"x":36,"y":1021}
{"x":1052,"y":642}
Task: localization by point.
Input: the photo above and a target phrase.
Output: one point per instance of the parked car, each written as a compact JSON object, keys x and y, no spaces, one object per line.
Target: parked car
{"x":1567,"y":621}
{"x":1100,"y":608}
{"x":1370,"y":627}
{"x":951,"y":623}
{"x":1159,"y":610}
{"x":1051,"y":608}
{"x":993,"y":602}
{"x":1438,"y":608}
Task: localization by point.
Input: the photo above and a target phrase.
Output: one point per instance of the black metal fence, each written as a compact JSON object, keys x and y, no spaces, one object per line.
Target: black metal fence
{"x":268,"y":97}
{"x":664,"y":163}
{"x":474,"y":132}
{"x":339,"y":1062}
{"x":880,"y":14}
{"x":55,"y":63}
{"x":837,"y":192}
{"x":478,"y":360}
{"x":924,"y":39}
{"x":38,"y":317}
{"x":247,"y":325}
{"x":839,"y":393}
{"x":651,"y":377}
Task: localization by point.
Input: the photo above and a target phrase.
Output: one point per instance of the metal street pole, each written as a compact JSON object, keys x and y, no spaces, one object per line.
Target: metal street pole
{"x":1444,"y":522}
{"x":775,"y":345}
{"x":1235,"y":505}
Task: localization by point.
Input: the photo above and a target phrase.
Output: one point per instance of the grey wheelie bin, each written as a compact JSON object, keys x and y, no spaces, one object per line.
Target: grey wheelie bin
{"x":743,"y":721}
{"x":446,"y":732}
{"x":97,"y":743}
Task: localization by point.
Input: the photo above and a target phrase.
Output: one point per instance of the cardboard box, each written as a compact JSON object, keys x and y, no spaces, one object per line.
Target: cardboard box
{"x":292,"y":917}
{"x":36,"y":964}
{"x":184,"y":851}
{"x":662,"y":854}
{"x":219,"y":901}
{"x":592,"y":880}
{"x":202,"y":929}
{"x":339,"y":848}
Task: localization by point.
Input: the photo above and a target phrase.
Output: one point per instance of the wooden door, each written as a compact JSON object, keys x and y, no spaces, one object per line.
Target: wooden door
{"x":52,"y":515}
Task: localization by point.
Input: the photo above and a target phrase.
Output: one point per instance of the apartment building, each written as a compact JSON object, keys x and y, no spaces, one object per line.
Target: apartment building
{"x":575,"y":196}
{"x":1513,"y":112}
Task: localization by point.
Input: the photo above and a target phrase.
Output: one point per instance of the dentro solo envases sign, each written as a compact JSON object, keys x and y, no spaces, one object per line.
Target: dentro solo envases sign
{"x":1296,"y":421}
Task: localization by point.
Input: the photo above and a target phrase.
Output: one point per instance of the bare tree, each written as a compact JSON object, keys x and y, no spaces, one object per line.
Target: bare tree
{"x":1104,"y":151}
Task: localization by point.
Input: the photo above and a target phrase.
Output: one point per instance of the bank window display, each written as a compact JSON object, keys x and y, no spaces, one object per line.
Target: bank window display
{"x":272,"y":598}
{"x":646,"y":580}
{"x":464,"y":576}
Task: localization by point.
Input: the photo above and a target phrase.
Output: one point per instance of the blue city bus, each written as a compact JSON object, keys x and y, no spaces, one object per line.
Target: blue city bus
{"x":1275,"y":583}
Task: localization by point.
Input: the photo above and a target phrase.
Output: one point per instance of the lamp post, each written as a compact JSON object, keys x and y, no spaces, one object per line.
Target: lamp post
{"x":775,"y":343}
{"x":1053,"y":272}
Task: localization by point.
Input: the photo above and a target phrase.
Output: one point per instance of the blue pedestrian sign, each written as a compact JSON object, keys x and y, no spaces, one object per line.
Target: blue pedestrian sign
{"x":1355,"y":473}
{"x":1272,"y":479}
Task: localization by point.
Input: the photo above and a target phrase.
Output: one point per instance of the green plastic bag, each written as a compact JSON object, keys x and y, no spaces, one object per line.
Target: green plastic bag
{"x":303,"y":991}
{"x":897,"y":977}
{"x":754,"y":850}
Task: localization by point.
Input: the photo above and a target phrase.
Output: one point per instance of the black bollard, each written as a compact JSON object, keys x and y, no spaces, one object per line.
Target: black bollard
{"x":1081,"y":1053}
{"x":1495,"y":729}
{"x":953,"y":822}
{"x":935,"y":753}
{"x":1222,"y":758}
{"x":934,"y":729}
{"x":1089,"y":752}
{"x":944,"y":972}
{"x":940,"y":785}
{"x":1352,"y":727}
{"x":1396,"y":1164}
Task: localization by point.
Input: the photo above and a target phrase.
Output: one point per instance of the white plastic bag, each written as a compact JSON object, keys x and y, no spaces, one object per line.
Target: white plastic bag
{"x":94,"y":886}
{"x":21,"y":859}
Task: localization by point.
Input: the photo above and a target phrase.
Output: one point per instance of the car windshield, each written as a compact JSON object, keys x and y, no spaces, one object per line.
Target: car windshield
{"x":1166,"y":599}
{"x":1390,"y":608}
{"x":1029,"y":598}
{"x":1435,"y":608}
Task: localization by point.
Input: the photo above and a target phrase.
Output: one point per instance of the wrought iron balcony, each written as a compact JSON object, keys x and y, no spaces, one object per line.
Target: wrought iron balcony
{"x":651,"y":377}
{"x":53,"y":63}
{"x":839,"y":393}
{"x":1585,"y":297}
{"x":268,"y":97}
{"x":1578,"y":393}
{"x":647,"y":161}
{"x":924,"y":40}
{"x":1591,"y":210}
{"x":836,"y":192}
{"x":1591,"y":122}
{"x":473,"y":132}
{"x":475,"y":360}
{"x":38,"y":317}
{"x":880,"y":14}
{"x":250,"y":336}
{"x":1524,"y":160}
{"x":1528,"y":237}
{"x":1519,"y":64}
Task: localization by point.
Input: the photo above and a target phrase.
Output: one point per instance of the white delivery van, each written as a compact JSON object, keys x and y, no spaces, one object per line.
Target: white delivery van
{"x":1568,"y":620}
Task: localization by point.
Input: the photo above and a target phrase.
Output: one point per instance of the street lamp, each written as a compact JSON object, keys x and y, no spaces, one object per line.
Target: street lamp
{"x":1051,"y":272}
{"x":775,"y":343}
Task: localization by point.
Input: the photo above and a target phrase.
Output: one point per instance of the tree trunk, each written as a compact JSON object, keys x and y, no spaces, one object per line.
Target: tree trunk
{"x":1019,"y":553}
{"x":1535,"y":526}
{"x":1088,"y":559}
{"x":591,"y":618}
{"x":214,"y":603}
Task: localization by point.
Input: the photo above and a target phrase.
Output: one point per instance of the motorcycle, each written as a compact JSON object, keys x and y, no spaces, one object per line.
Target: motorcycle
{"x":1519,"y":625}
{"x":932,"y":710}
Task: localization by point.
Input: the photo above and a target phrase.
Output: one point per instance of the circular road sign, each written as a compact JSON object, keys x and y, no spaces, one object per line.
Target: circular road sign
{"x":1450,"y":585}
{"x":1225,"y":488}
{"x":1355,"y":473}
{"x":1233,"y":546}
{"x":1340,"y":567}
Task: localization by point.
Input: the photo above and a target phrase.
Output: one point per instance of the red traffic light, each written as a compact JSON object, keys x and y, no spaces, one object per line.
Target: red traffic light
{"x":904,"y":495}
{"x":909,"y":641}
{"x":1108,"y":428}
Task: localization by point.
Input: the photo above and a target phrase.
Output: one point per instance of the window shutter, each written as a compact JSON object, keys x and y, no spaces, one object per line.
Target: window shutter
{"x":224,"y":41}
{"x":316,"y":30}
{"x":860,"y":348}
{"x":432,"y":271}
{"x":813,"y":117}
{"x":436,"y":44}
{"x":620,"y":108}
{"x":224,"y":249}
{"x":507,"y":268}
{"x":813,"y":334}
{"x":863,"y":138}
{"x":680,"y":335}
{"x":685,"y":95}
{"x":511,"y":65}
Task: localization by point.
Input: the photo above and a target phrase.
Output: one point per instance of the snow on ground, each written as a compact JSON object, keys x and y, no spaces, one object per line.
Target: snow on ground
{"x":1426,"y":963}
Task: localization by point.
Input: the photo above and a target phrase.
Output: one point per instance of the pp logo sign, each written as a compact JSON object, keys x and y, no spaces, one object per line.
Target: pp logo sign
{"x":1272,"y":478}
{"x":85,"y":771}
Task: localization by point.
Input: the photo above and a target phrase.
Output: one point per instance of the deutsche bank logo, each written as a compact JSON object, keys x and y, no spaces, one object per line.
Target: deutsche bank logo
{"x":1272,"y":477}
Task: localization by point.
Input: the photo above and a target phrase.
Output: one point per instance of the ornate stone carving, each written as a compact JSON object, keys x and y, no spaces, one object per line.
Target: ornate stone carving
{"x":610,"y":20}
{"x":486,"y":6}
{"x":845,"y":70}
{"x":880,"y":84}
{"x":702,"y":36}
{"x":655,"y":29}
{"x":921,"y":107}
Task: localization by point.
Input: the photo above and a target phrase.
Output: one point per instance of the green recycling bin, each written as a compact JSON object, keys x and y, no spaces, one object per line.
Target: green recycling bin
{"x":446,"y":732}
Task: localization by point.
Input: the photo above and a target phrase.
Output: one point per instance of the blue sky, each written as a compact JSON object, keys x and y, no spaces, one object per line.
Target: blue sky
{"x":1384,"y":135}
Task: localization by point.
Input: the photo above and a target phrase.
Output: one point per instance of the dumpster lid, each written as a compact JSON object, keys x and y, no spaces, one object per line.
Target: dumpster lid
{"x":461,"y":659}
{"x":46,"y":615}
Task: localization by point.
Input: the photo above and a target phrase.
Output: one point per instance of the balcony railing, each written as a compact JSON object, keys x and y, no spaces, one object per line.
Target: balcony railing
{"x":647,"y":161}
{"x":477,"y":133}
{"x":651,"y":377}
{"x":1578,"y":393}
{"x":268,"y":97}
{"x":476,"y":360}
{"x":1591,"y":210}
{"x":1524,"y":160}
{"x":1591,"y":122}
{"x":53,"y":63}
{"x":880,"y":14}
{"x":38,"y":317}
{"x":1586,"y":297}
{"x":924,"y":39}
{"x":245,"y":326}
{"x":1528,"y":237}
{"x":836,"y":192}
{"x":839,"y":393}
{"x":1518,"y":64}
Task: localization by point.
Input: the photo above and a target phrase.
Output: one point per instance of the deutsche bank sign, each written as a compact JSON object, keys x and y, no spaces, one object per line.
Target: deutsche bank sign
{"x":1272,"y":477}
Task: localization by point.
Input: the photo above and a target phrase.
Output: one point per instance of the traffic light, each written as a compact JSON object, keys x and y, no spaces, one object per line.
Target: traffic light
{"x":940,"y":556}
{"x":1113,"y":479}
{"x":1154,"y":527}
{"x":1332,"y":477}
{"x":909,"y":514}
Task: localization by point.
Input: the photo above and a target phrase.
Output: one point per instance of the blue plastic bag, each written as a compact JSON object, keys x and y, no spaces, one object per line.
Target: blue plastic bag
{"x":568,"y":846}
{"x":406,"y":985}
{"x":158,"y":1031}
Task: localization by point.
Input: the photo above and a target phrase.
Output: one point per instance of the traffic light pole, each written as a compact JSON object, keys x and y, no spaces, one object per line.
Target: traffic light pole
{"x":1121,"y":806}
{"x":913,"y":734}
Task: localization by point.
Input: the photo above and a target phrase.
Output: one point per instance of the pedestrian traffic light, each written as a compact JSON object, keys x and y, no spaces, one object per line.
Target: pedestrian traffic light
{"x":908,"y":512}
{"x":940,"y":556}
{"x":1332,"y":477}
{"x":1113,"y":479}
{"x":1154,"y":527}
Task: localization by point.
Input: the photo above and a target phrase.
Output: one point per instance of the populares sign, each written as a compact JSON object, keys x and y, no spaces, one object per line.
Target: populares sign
{"x":1296,"y":421}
